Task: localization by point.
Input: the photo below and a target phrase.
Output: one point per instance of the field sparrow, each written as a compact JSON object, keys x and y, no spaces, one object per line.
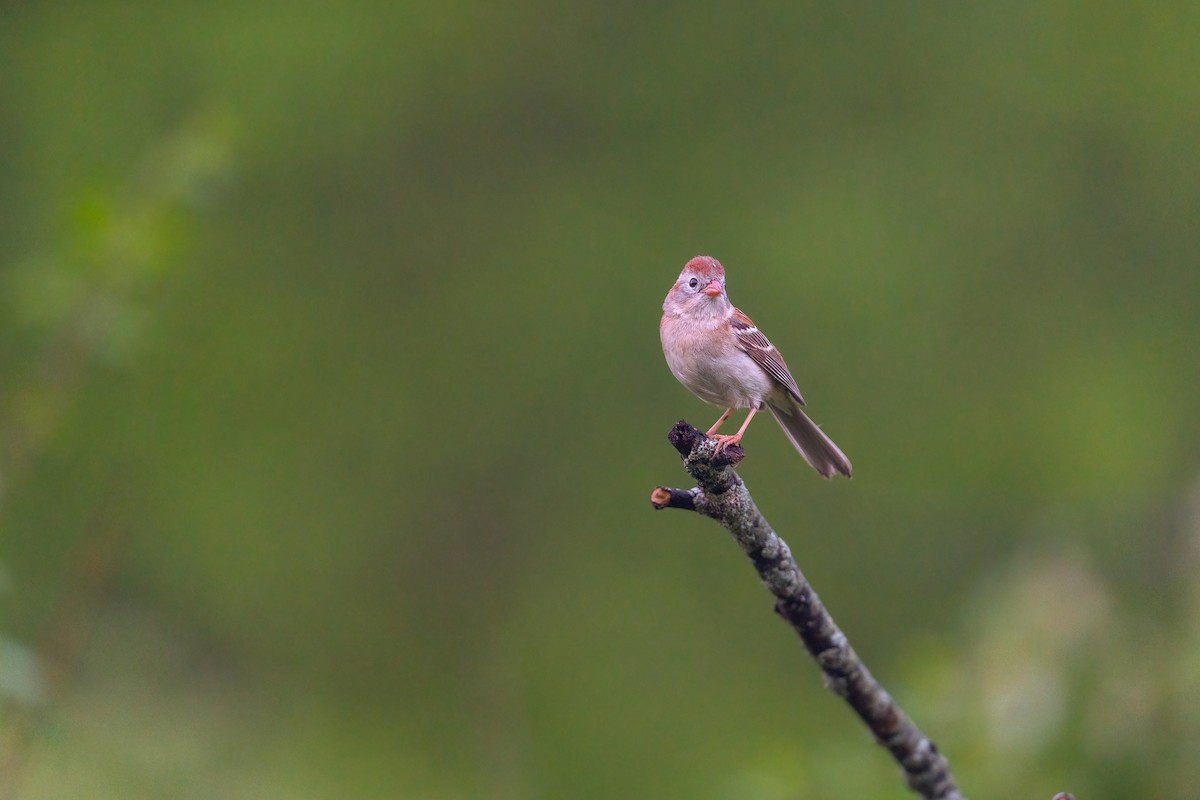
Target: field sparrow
{"x":722,"y":358}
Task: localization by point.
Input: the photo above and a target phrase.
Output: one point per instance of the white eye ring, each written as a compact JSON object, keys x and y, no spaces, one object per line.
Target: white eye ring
{"x":693,"y":283}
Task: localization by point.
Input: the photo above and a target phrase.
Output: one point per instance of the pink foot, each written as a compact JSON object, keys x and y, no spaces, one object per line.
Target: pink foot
{"x":725,"y":441}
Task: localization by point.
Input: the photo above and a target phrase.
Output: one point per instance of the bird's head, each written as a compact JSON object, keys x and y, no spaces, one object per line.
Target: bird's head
{"x":700,"y":289}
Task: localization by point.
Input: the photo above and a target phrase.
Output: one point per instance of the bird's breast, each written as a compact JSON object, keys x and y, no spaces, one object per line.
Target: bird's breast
{"x":712,"y":367}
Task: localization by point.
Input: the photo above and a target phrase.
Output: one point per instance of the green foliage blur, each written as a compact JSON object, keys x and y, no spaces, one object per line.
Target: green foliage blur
{"x":331,"y":396}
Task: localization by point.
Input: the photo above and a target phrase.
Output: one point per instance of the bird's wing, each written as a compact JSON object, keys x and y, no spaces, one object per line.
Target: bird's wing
{"x":754,"y":344}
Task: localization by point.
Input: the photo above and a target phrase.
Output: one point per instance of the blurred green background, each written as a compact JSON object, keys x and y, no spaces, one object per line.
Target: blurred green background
{"x":331,"y":395}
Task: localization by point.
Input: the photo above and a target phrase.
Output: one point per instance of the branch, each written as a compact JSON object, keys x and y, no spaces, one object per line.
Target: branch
{"x":720,"y":494}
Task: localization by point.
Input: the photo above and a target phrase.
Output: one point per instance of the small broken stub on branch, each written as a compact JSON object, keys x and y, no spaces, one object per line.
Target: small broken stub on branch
{"x":665,"y":497}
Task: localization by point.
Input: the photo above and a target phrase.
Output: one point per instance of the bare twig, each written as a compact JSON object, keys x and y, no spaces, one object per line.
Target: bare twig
{"x":720,"y":494}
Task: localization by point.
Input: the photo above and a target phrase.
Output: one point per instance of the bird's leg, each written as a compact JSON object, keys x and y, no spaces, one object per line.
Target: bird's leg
{"x":716,"y":425}
{"x":723,"y":441}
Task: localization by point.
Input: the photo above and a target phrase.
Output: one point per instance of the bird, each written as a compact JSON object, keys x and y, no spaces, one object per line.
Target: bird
{"x":721,"y":356}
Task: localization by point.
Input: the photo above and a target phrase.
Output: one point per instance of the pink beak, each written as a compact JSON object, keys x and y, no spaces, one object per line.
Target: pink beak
{"x":713,"y":289}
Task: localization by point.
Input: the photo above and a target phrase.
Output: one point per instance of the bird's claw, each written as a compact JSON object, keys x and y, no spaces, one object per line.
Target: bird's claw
{"x":724,"y":441}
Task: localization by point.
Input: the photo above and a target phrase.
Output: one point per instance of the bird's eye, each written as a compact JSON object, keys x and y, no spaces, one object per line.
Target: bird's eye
{"x":693,"y":283}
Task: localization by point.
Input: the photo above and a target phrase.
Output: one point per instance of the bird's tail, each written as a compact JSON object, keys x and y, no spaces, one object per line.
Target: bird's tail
{"x":811,"y":442}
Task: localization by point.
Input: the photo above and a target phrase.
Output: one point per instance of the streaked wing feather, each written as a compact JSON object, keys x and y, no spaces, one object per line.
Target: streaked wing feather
{"x":759,"y":347}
